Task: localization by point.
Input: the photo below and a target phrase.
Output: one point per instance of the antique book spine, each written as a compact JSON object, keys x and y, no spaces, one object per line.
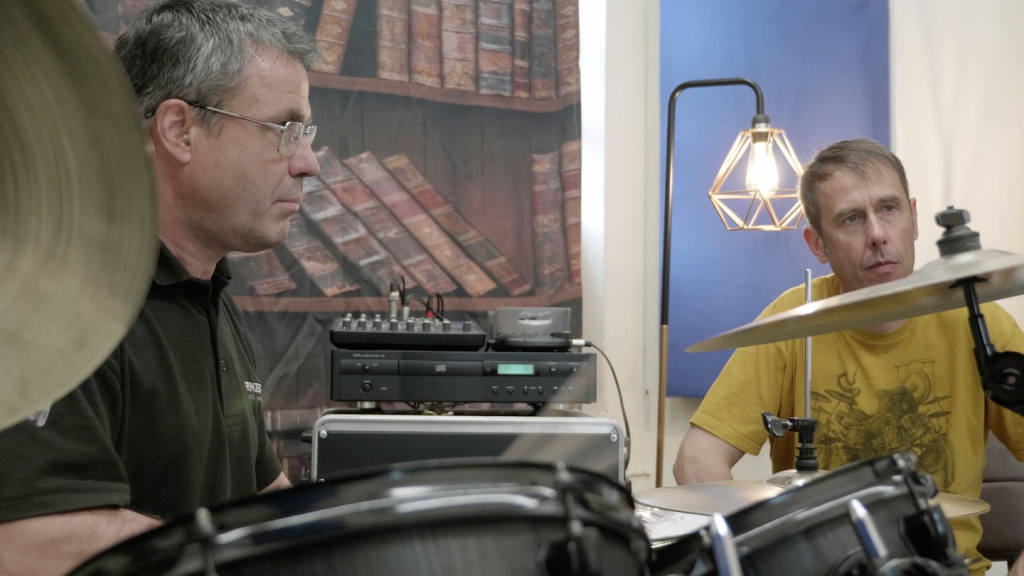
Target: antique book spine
{"x":321,"y":267}
{"x":521,"y":48}
{"x":420,"y":224}
{"x":332,"y":33}
{"x":354,"y":195}
{"x":567,"y":45}
{"x":494,"y":47}
{"x":551,"y":267}
{"x":458,"y":44}
{"x":375,"y":264}
{"x":479,"y":248}
{"x":570,"y":166}
{"x":262,"y":272}
{"x":393,"y":40}
{"x":425,"y":42}
{"x":542,"y":50}
{"x":292,"y":10}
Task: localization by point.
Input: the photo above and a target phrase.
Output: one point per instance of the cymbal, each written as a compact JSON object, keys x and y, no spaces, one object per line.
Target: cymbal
{"x":727,"y":496}
{"x":925,"y":291}
{"x":956,"y":506}
{"x":78,"y":241}
{"x":707,"y":498}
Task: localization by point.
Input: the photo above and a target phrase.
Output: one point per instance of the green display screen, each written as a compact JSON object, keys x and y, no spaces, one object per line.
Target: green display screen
{"x":516,"y":369}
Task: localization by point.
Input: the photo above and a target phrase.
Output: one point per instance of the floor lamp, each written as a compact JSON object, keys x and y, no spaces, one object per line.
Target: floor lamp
{"x":754,"y":208}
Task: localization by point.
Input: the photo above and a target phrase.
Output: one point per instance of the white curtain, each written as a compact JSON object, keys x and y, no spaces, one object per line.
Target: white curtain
{"x":957,"y":109}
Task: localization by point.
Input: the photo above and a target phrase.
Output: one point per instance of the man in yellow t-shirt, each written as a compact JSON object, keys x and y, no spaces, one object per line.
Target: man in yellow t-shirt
{"x":904,"y":385}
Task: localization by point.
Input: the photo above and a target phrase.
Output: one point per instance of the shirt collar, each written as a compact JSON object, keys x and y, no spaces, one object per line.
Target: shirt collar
{"x":170,"y":271}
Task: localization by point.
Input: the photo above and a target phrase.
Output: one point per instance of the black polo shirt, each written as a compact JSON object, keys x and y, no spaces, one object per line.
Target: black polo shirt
{"x":170,"y":422}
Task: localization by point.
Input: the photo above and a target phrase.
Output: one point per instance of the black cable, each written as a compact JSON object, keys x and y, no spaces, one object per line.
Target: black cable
{"x":622,"y":404}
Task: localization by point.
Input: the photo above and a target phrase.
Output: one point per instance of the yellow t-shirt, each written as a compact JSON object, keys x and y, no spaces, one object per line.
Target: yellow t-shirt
{"x":914,"y":388}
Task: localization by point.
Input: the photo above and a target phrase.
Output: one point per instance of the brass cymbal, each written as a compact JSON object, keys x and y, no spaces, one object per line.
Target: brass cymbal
{"x":707,"y":498}
{"x":926,"y":291}
{"x":956,"y":506}
{"x":78,"y":237}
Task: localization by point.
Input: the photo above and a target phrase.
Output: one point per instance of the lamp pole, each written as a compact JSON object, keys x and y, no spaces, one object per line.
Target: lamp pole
{"x":667,"y":242}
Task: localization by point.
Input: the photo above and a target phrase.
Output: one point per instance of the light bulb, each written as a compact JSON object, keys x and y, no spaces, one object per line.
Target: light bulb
{"x":762,"y":175}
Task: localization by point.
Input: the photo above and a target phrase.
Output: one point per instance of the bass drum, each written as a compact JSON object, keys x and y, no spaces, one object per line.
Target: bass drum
{"x":809,"y":530}
{"x":436,"y":518}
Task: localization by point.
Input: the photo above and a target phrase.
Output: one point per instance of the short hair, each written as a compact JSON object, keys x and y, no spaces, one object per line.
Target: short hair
{"x":198,"y":50}
{"x":859,"y":155}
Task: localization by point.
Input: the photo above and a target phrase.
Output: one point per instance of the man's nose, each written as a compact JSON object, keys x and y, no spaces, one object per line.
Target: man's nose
{"x":303,"y":163}
{"x":877,"y":233}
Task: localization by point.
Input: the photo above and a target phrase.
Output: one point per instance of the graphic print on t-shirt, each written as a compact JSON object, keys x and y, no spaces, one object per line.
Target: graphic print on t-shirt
{"x":908,"y":416}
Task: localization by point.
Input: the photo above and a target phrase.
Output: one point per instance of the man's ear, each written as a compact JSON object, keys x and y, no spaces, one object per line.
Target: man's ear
{"x":913,"y":208}
{"x":816,"y":244}
{"x":170,"y":130}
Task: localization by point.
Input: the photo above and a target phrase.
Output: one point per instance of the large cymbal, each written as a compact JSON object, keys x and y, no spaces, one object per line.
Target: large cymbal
{"x":728,"y":496}
{"x":77,"y":211}
{"x":926,"y":291}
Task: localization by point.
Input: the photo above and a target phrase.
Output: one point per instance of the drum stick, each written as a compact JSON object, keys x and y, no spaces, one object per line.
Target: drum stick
{"x":807,"y":352}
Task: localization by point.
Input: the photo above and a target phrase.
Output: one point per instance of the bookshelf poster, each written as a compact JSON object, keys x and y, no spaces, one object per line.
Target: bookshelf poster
{"x":448,"y":137}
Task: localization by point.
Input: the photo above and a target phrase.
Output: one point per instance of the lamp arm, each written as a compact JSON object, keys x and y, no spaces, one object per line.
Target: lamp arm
{"x":667,"y":241}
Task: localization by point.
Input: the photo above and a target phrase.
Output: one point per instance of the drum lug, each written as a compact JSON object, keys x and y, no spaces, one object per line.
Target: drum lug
{"x":207,"y":532}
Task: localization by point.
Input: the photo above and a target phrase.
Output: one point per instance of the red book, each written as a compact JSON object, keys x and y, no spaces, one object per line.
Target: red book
{"x":570,"y":166}
{"x":425,"y":42}
{"x":354,"y":196}
{"x":567,"y":45}
{"x":420,"y":224}
{"x":458,"y":44}
{"x":472,"y":241}
{"x":349,"y":236}
{"x":332,"y":33}
{"x":542,"y":50}
{"x":321,"y":267}
{"x":262,"y":272}
{"x":393,"y":40}
{"x":521,"y":48}
{"x":551,"y":267}
{"x":494,"y":48}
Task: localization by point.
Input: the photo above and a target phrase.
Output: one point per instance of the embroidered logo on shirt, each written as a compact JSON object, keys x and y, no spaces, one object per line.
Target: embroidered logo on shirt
{"x":255,"y":391}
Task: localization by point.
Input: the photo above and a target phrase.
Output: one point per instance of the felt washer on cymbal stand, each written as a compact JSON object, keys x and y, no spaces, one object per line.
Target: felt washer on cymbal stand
{"x":78,"y":235}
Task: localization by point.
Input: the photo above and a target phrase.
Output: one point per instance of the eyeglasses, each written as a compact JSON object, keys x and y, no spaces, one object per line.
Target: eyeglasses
{"x":291,"y":132}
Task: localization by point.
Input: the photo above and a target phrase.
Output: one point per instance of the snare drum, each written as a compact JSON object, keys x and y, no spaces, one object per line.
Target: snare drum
{"x":434,"y":518}
{"x":808,"y":530}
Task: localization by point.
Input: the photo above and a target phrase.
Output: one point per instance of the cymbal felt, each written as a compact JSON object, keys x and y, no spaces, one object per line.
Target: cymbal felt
{"x":78,"y":240}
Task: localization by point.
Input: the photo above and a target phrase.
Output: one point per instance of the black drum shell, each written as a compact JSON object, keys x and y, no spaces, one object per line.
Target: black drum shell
{"x":446,"y":518}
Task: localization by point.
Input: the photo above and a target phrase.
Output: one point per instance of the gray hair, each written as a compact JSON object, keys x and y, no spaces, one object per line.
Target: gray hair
{"x":198,"y":50}
{"x":859,"y":155}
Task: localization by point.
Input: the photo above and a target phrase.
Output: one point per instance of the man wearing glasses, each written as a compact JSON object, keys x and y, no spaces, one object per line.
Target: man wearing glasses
{"x":172,"y":420}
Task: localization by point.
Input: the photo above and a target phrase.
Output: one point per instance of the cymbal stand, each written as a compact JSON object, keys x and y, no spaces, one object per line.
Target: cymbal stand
{"x":1002,"y":373}
{"x":804,"y":428}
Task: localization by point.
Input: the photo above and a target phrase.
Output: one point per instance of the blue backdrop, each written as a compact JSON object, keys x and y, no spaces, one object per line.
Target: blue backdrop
{"x":824,"y":71}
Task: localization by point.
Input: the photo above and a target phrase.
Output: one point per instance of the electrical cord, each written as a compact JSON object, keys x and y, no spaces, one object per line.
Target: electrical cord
{"x":618,"y":388}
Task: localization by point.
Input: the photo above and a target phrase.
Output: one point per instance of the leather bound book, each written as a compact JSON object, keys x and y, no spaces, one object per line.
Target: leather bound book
{"x":542,"y":50}
{"x":458,"y":44}
{"x":292,"y":10}
{"x":521,"y":48}
{"x":262,"y":272}
{"x":567,"y":45}
{"x":570,"y":166}
{"x":393,"y":40}
{"x":550,"y":265}
{"x":332,"y":33}
{"x":425,"y":42}
{"x":312,"y":255}
{"x":494,"y":47}
{"x":420,"y":224}
{"x":479,"y":248}
{"x":376,"y":265}
{"x":354,"y":195}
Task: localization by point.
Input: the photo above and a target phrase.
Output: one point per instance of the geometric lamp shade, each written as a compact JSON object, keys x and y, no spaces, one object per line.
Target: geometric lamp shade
{"x":762,"y":205}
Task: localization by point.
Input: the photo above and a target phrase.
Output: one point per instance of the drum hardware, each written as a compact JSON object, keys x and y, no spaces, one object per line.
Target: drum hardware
{"x":577,"y":554}
{"x":724,"y":547}
{"x":207,"y":533}
{"x":874,"y":546}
